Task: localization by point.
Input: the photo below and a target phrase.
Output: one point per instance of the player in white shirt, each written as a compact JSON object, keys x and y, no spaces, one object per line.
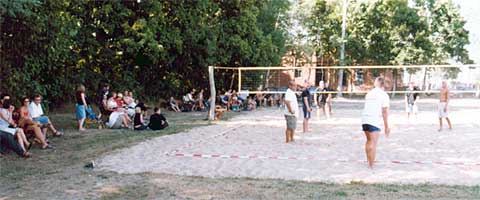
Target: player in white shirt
{"x":374,"y":115}
{"x":291,"y":110}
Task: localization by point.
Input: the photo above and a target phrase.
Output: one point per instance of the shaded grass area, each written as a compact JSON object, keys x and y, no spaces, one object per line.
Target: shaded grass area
{"x":60,"y":173}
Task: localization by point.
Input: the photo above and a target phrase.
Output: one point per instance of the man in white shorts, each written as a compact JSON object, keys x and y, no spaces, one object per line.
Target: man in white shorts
{"x":291,"y":110}
{"x":443,"y":106}
{"x":377,"y":103}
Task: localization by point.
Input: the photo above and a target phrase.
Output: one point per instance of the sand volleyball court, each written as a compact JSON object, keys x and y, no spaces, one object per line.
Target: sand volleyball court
{"x":253,"y":145}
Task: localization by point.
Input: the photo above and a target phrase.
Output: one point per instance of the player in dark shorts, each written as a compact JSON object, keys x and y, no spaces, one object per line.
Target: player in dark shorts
{"x":306,"y":105}
{"x":325,"y":100}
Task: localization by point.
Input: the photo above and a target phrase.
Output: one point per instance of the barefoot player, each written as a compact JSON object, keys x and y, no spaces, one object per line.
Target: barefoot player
{"x":443,"y":106}
{"x":376,"y":108}
{"x":306,"y":105}
{"x":411,"y":99}
{"x":291,"y":110}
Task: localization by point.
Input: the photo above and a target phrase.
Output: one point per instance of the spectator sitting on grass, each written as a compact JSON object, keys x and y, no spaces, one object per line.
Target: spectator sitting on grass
{"x":129,"y":102}
{"x":7,"y":141}
{"x":157,"y":120}
{"x":37,"y":115}
{"x":30,"y":126}
{"x":138,"y":123}
{"x":173,"y":104}
{"x":7,"y":124}
{"x":118,"y":118}
{"x":235,"y":102}
{"x":3,"y":98}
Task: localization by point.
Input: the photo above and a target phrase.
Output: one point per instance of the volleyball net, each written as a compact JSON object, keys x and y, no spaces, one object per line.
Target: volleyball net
{"x":357,"y":80}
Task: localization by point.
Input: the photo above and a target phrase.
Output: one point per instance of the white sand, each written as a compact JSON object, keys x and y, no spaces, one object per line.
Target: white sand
{"x":332,"y":152}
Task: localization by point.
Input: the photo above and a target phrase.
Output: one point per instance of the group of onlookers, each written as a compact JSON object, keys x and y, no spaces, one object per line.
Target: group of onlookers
{"x":19,"y":124}
{"x":121,"y":110}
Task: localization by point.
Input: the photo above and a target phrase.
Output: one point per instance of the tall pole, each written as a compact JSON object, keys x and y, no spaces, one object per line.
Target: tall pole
{"x":342,"y":48}
{"x":213,"y":95}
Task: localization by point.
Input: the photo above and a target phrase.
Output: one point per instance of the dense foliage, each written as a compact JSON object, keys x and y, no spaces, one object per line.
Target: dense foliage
{"x":156,"y":48}
{"x":163,"y":48}
{"x":389,"y":32}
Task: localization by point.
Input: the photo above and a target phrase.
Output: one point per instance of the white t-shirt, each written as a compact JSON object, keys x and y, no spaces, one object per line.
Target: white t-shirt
{"x":375,"y":100}
{"x":292,"y":98}
{"x":35,"y":110}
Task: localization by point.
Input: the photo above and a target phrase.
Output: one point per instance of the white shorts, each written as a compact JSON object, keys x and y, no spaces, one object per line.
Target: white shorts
{"x":412,"y":108}
{"x":441,"y":110}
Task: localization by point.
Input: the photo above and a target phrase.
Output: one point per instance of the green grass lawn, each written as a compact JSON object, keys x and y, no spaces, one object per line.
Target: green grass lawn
{"x":60,"y":173}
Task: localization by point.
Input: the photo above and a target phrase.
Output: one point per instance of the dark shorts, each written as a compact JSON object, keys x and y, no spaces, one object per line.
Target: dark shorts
{"x":306,"y":114}
{"x":370,"y":128}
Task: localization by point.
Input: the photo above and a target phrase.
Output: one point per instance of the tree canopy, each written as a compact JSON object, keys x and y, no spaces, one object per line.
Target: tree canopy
{"x":163,"y":48}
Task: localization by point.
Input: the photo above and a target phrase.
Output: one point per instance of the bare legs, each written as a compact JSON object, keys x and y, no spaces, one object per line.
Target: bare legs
{"x":51,"y":127}
{"x":80,"y":124}
{"x":371,"y":147}
{"x":39,"y":135}
{"x":305,"y":125}
{"x":441,"y":123}
{"x":289,"y":135}
{"x":21,"y":139}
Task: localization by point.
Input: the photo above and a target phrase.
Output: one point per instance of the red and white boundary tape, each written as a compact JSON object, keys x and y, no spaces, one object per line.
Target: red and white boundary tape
{"x":195,"y":155}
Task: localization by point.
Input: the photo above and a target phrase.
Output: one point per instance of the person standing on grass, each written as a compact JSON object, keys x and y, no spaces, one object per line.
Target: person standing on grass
{"x":443,"y":106}
{"x":377,"y":103}
{"x":81,"y":106}
{"x":411,"y":98}
{"x":307,"y":109}
{"x":291,"y":110}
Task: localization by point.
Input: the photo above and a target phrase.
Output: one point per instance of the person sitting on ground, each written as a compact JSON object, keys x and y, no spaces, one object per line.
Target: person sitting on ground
{"x":190,"y":100}
{"x":235,"y":102}
{"x":260,"y":97}
{"x":118,"y":118}
{"x":119,"y":100}
{"x":277,"y":99}
{"x":173,"y":104}
{"x":252,"y":105}
{"x":36,"y":114}
{"x":138,"y":123}
{"x":129,"y":102}
{"x":157,"y":120}
{"x":29,"y":125}
{"x":7,"y":141}
{"x":3,"y":98}
{"x":7,"y":124}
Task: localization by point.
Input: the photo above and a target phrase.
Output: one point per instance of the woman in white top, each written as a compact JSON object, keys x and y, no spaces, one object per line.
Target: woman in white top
{"x":7,"y":124}
{"x":374,"y":115}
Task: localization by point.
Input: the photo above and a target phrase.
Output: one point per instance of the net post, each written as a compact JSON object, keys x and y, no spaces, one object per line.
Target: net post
{"x":239,"y":79}
{"x":211,"y":113}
